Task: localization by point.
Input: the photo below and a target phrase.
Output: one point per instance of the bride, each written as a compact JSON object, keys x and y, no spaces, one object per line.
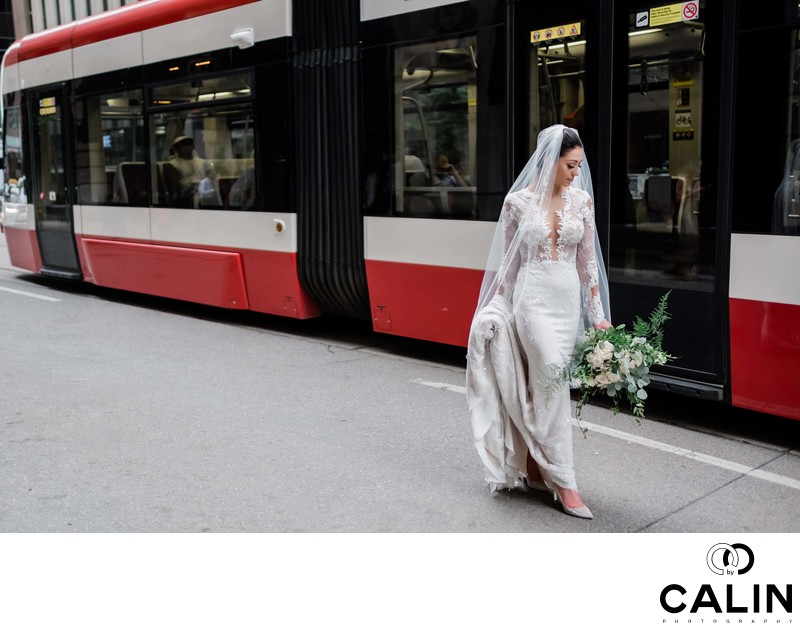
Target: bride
{"x":544,"y":284}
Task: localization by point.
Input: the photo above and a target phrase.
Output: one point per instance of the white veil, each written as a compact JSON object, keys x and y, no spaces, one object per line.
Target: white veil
{"x":538,"y":177}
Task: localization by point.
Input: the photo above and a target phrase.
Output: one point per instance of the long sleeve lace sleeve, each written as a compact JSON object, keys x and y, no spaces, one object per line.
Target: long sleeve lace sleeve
{"x":507,"y":274}
{"x":587,"y":265}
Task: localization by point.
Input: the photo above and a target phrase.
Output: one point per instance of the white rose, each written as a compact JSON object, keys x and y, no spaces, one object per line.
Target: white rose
{"x":607,"y":378}
{"x":604,"y":350}
{"x":594,"y":360}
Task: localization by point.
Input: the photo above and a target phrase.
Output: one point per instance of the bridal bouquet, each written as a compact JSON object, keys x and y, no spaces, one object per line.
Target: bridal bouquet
{"x":617,"y":363}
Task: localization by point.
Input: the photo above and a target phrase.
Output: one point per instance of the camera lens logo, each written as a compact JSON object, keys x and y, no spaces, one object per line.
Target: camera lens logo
{"x":724,"y":556}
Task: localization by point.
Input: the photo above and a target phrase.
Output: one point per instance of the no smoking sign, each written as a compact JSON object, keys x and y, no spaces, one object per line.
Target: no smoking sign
{"x":668,"y":14}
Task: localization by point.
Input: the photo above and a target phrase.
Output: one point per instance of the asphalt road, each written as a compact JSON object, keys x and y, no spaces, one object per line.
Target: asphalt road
{"x":126,"y":413}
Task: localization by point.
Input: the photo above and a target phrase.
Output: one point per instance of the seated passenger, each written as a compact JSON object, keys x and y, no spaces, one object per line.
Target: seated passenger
{"x":183,"y":173}
{"x":447,"y":174}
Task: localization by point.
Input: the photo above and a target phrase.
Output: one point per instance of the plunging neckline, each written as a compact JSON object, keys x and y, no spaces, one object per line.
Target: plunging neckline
{"x":555,"y":225}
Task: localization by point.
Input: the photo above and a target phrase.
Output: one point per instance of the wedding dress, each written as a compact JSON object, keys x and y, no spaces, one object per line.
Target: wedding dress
{"x":556,"y":273}
{"x":520,"y":342}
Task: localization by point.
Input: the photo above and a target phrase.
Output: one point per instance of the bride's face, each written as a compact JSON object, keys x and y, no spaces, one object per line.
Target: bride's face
{"x":568,"y":167}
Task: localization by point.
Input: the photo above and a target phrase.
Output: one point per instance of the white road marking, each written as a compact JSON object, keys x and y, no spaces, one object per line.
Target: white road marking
{"x":30,"y":295}
{"x":441,"y":386}
{"x":654,"y":444}
{"x":696,"y":455}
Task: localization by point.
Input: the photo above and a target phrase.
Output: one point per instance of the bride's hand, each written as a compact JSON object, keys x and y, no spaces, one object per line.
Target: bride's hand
{"x":603,"y":324}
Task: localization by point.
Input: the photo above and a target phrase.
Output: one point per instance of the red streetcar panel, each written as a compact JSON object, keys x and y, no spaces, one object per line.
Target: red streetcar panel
{"x":765,"y":346}
{"x":449,"y":295}
{"x":208,"y":277}
{"x":23,"y":248}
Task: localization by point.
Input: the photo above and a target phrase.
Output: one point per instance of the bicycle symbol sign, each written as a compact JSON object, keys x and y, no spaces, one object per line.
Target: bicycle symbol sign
{"x":690,"y":10}
{"x":683,"y":118}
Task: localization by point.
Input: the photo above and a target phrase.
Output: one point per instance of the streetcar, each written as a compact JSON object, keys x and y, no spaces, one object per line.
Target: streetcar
{"x":349,"y":158}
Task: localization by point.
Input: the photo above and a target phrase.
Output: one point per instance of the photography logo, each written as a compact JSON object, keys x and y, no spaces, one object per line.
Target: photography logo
{"x":728,"y":596}
{"x":722,"y":556}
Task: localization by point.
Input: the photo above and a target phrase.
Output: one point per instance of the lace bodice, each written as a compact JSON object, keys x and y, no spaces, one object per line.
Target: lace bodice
{"x":573,"y":242}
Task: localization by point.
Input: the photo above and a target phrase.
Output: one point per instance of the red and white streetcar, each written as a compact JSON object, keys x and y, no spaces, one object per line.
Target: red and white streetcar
{"x":348,"y":158}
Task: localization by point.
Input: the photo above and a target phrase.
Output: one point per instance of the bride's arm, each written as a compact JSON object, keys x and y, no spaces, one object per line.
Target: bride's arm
{"x":509,"y":223}
{"x":587,"y":269}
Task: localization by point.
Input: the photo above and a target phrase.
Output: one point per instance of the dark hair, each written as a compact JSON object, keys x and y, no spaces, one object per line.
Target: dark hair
{"x":570,"y":141}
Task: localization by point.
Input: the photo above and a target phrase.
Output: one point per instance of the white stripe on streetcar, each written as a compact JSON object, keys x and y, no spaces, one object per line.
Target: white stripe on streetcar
{"x":654,"y":444}
{"x":30,"y":295}
{"x":438,"y":242}
{"x":758,"y":264}
{"x":373,"y":9}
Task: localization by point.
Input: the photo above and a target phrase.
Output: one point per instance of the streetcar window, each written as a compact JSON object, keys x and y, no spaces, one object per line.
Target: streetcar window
{"x":557,"y":86}
{"x":202,"y":143}
{"x":110,"y":153}
{"x":786,"y":202}
{"x":766,"y":183}
{"x":204,"y":158}
{"x":436,"y":128}
{"x":15,"y":188}
{"x":662,"y":216}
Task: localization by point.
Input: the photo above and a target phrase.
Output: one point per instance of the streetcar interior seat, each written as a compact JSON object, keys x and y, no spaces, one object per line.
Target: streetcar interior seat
{"x":229,"y":170}
{"x":112,"y":181}
{"x":224,"y":184}
{"x":130,"y":183}
{"x":423,"y":201}
{"x":664,"y":199}
{"x":415,"y":172}
{"x":461,"y":202}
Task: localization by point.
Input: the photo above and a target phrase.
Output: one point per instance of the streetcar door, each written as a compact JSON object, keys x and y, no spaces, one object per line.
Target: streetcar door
{"x":52,"y":184}
{"x":555,"y":76}
{"x":664,"y":235}
{"x":641,"y":85}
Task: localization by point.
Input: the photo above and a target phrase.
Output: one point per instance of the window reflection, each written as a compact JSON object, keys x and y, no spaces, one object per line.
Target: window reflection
{"x":786,"y":209}
{"x":204,"y":158}
{"x":15,"y":188}
{"x":557,"y":86}
{"x":786,"y":206}
{"x":436,"y":128}
{"x":203,"y":154}
{"x":658,"y":229}
{"x":110,"y":149}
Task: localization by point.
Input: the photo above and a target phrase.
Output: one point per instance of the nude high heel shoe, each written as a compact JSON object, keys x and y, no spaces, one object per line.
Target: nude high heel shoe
{"x":581,"y":511}
{"x":535,"y":485}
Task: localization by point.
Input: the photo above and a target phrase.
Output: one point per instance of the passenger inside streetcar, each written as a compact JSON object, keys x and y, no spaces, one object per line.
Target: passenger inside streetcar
{"x":183,"y":173}
{"x":446,"y":172}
